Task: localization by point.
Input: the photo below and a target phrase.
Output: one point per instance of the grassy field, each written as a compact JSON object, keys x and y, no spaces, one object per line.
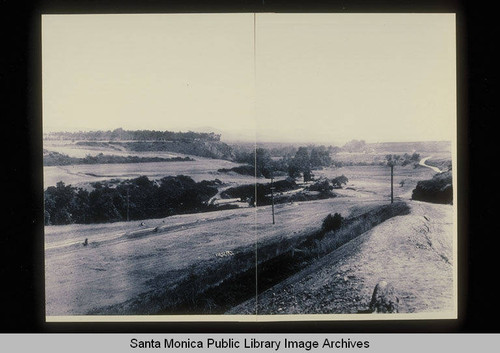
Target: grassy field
{"x":73,"y":150}
{"x":374,"y":181}
{"x":81,"y":175}
{"x":125,"y":261}
{"x":200,"y":169}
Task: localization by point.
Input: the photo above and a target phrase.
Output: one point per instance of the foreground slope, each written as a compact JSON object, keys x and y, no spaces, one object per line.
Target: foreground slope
{"x":414,"y":253}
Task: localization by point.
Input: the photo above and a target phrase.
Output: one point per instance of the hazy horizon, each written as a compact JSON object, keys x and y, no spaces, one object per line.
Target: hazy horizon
{"x":300,"y":78}
{"x":234,"y":140}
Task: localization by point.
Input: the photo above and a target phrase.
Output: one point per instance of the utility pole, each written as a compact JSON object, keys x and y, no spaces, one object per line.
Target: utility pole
{"x":272,"y":197}
{"x":391,"y":161}
{"x":392,"y":183}
{"x":128,"y":201}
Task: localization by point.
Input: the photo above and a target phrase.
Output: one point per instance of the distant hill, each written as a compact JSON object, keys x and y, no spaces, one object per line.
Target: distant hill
{"x":203,"y":144}
{"x":132,"y":135}
{"x":357,"y":146}
{"x":202,"y":148}
{"x":421,"y":147}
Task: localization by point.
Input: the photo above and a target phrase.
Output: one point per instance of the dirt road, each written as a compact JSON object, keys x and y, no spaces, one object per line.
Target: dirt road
{"x":414,"y":253}
{"x":422,"y":163}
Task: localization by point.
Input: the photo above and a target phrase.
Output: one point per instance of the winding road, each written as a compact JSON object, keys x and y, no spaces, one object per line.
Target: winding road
{"x":422,"y":163}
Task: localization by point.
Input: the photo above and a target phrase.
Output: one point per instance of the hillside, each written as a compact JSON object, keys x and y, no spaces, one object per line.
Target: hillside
{"x":58,"y":159}
{"x":201,"y":148}
{"x":188,"y":143}
{"x":414,"y":253}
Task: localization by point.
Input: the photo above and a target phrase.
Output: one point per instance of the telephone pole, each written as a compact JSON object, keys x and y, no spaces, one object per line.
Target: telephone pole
{"x":391,"y":161}
{"x":128,"y":201}
{"x":392,"y":183}
{"x":272,"y":197}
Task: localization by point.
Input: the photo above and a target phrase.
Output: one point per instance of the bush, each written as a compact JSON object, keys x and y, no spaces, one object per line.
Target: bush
{"x":322,"y":185}
{"x":439,"y":189}
{"x":332,"y":222}
{"x":243,"y":170}
{"x":339,"y":181}
{"x":308,"y":176}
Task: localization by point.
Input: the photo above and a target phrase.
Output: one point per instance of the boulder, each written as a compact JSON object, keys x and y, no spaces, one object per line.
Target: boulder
{"x":384,"y":299}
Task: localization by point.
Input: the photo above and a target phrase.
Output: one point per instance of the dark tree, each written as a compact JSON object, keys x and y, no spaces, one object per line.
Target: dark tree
{"x":308,"y":175}
{"x":60,"y":204}
{"x":263,"y":162}
{"x":300,"y":164}
{"x":102,"y":206}
{"x":320,"y":157}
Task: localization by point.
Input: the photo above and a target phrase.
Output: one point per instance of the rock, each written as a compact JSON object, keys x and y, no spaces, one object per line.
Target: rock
{"x":384,"y":299}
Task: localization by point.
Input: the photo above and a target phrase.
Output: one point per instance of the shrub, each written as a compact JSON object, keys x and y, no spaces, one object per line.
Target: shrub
{"x":322,"y":185}
{"x":439,"y":189}
{"x":308,"y":176}
{"x":332,"y":222}
{"x":243,"y":170}
{"x":339,"y":181}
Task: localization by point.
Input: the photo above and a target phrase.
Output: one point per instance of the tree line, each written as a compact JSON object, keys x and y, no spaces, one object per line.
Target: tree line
{"x":302,"y":162}
{"x":134,"y":135}
{"x":403,"y":160}
{"x":135,"y":199}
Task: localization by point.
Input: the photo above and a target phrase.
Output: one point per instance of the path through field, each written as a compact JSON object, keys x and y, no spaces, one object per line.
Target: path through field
{"x":422,"y":163}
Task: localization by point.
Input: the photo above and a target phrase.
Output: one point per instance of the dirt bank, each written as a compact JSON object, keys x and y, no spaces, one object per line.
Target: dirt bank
{"x":414,"y":253}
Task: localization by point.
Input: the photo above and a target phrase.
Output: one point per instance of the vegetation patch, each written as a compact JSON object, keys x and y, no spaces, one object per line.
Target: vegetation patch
{"x":202,"y":148}
{"x":56,"y":158}
{"x":133,"y":199}
{"x":243,"y":170}
{"x":331,"y":223}
{"x":294,"y":163}
{"x":439,"y":189}
{"x":248,"y":192}
{"x":131,"y":135}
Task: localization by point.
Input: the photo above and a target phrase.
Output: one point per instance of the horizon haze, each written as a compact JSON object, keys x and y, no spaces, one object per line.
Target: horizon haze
{"x":310,"y":78}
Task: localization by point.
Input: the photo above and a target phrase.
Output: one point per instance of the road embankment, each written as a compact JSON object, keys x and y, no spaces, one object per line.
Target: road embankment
{"x":413,"y":252}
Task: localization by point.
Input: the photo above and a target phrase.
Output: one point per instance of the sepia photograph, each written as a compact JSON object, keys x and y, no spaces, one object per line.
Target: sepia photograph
{"x":249,"y":166}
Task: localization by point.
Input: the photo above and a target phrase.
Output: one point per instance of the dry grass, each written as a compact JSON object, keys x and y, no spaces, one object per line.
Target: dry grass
{"x":117,"y":273}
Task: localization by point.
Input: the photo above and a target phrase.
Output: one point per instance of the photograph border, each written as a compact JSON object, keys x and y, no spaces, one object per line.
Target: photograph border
{"x":29,"y":130}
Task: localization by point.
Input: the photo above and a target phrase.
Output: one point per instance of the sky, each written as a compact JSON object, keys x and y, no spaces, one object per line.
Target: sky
{"x":319,"y":78}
